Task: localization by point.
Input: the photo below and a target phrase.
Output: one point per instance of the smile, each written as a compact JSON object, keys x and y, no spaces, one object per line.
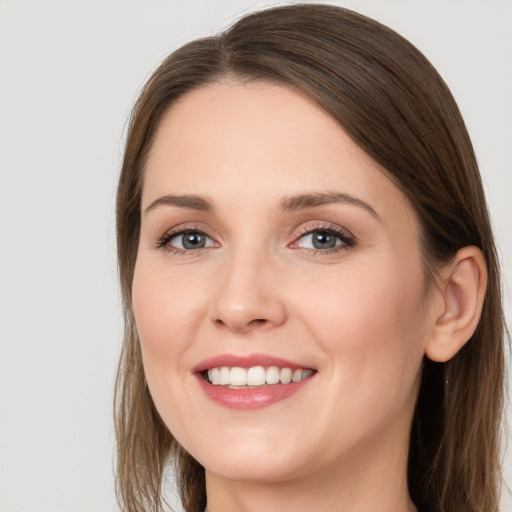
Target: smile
{"x":256,"y":376}
{"x":254,"y":381}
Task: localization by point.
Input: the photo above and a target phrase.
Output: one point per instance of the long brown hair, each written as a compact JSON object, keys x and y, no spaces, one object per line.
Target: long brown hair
{"x":390,"y":100}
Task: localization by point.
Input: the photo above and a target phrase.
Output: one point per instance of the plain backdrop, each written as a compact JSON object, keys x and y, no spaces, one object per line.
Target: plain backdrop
{"x":70,"y":71}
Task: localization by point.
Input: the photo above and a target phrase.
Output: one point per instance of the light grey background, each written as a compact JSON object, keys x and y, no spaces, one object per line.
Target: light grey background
{"x":69,"y":74}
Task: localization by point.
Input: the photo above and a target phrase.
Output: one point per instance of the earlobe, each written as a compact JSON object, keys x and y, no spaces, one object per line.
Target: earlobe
{"x":462,"y":290}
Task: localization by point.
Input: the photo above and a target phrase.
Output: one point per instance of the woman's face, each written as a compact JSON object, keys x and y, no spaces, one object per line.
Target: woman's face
{"x":272,"y":248}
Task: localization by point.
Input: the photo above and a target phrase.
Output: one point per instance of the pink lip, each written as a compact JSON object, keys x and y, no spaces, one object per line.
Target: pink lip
{"x":245,"y":361}
{"x":250,"y":398}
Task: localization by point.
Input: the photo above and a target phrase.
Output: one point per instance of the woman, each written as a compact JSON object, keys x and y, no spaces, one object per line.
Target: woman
{"x":310,"y":283}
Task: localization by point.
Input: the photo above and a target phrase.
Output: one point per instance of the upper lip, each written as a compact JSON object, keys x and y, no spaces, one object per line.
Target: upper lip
{"x":246,"y":361}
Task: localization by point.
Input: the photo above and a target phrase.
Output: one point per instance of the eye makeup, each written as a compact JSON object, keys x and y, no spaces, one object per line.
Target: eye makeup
{"x":319,"y":237}
{"x":324,"y":238}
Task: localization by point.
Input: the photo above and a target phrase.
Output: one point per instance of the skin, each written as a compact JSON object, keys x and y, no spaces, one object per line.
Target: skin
{"x":359,"y":315}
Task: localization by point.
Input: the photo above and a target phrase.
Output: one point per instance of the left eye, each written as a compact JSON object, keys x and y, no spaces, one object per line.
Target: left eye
{"x":190,"y":240}
{"x":320,"y":239}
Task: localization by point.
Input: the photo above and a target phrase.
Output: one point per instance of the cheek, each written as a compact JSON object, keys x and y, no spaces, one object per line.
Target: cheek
{"x":165,"y":308}
{"x":371,"y":332}
{"x":372,"y":326}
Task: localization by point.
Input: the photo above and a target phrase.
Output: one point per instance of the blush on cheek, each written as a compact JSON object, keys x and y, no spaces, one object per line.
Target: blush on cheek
{"x":166,"y":312}
{"x":373,"y":319}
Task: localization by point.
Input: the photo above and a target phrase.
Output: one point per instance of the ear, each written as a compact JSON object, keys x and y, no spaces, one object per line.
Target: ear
{"x":462,"y":288}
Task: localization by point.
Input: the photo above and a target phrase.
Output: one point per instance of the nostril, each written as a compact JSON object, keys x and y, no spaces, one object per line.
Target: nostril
{"x":242,"y":326}
{"x":257,"y":322}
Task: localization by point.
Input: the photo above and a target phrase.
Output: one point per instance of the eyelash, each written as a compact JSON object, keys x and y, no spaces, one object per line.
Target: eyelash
{"x":346,"y":238}
{"x":163,"y":241}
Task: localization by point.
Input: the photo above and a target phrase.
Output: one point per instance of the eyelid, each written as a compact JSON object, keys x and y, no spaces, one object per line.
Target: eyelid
{"x":347,"y":238}
{"x":162,"y":242}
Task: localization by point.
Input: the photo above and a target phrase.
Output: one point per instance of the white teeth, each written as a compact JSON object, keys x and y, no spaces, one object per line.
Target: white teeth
{"x":286,"y":376}
{"x":272,"y":375}
{"x":224,"y":376}
{"x":297,"y":376}
{"x":238,"y":377}
{"x":255,"y":376}
{"x":213,"y":375}
{"x":306,"y":373}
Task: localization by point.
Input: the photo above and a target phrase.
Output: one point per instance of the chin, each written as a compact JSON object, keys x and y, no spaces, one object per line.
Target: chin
{"x":261,"y":461}
{"x":260,"y":470}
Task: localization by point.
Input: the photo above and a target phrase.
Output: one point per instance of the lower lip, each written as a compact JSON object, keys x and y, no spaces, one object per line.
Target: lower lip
{"x":250,"y":398}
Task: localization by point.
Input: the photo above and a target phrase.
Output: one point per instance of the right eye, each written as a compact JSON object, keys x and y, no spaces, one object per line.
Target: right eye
{"x":185,"y":241}
{"x":189,"y":240}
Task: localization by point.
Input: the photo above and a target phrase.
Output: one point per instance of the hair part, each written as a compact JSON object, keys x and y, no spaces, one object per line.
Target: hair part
{"x":390,"y":100}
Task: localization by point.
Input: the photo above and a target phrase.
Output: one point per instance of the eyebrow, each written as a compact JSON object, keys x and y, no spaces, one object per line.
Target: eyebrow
{"x":191,"y":202}
{"x":287,"y":204}
{"x":312,"y":200}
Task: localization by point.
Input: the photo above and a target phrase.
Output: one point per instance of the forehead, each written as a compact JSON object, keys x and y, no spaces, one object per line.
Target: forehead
{"x":262,"y":140}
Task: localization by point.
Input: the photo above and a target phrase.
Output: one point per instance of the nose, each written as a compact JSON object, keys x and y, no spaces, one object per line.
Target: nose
{"x":248,"y":296}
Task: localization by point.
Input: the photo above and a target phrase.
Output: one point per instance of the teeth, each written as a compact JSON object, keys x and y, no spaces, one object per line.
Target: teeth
{"x":306,"y":374}
{"x":214,"y":376}
{"x":224,"y":376}
{"x":238,"y":377}
{"x":297,"y":375}
{"x":273,"y":375}
{"x":255,"y":376}
{"x":286,"y":376}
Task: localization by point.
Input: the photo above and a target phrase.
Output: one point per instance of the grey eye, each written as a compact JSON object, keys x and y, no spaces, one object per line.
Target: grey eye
{"x":191,"y":240}
{"x":320,"y":240}
{"x":323,"y":240}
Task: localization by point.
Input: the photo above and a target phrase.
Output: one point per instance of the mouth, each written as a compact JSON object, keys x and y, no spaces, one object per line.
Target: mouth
{"x":237,"y":377}
{"x":254,"y":381}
